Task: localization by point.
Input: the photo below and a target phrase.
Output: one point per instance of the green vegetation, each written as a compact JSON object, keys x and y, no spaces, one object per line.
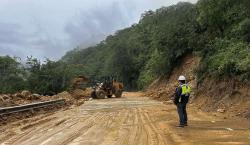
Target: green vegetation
{"x":226,"y":53}
{"x":46,"y":78}
{"x":12,"y":75}
{"x":141,"y":53}
{"x":226,"y":59}
{"x":219,"y":30}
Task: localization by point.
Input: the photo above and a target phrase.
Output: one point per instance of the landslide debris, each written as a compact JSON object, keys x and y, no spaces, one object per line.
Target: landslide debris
{"x":163,"y":88}
{"x":74,"y":97}
{"x":230,"y":97}
{"x":23,"y":97}
{"x":26,"y":97}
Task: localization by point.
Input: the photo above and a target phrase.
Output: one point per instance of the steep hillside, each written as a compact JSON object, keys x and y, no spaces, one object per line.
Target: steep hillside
{"x":228,"y":96}
{"x":144,"y":51}
{"x":216,"y":30}
{"x":164,"y":87}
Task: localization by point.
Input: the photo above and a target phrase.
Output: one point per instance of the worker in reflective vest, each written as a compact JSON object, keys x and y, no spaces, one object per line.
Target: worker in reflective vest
{"x":182,"y":95}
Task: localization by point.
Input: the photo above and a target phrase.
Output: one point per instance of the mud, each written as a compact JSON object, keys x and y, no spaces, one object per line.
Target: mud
{"x":127,"y":121}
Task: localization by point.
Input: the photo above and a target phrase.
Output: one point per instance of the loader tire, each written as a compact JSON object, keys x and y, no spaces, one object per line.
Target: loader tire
{"x":100,"y":95}
{"x":118,"y":94}
{"x":93,"y":94}
{"x":109,"y":96}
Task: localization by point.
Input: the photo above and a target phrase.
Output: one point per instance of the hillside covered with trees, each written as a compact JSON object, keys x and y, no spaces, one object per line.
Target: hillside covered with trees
{"x":216,"y":30}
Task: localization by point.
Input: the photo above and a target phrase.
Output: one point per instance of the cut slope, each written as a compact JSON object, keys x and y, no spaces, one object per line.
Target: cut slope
{"x":229,"y":96}
{"x":163,"y":88}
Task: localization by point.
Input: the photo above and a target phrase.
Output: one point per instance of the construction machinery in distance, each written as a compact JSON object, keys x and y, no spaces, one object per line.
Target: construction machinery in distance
{"x":79,"y":82}
{"x":107,"y":88}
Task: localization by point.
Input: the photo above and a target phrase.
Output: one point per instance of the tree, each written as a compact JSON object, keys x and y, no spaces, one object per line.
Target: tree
{"x":12,"y":75}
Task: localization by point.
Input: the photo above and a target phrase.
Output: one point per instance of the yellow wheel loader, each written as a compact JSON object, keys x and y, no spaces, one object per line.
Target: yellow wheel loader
{"x":108,"y":88}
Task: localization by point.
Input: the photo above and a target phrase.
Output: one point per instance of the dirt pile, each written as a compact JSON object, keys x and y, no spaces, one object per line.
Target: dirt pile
{"x":229,"y":95}
{"x":76,"y":97}
{"x":5,"y":100}
{"x":79,"y":93}
{"x":26,"y":97}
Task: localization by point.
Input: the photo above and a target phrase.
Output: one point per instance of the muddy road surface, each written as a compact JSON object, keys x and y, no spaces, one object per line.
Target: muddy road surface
{"x":131,"y":120}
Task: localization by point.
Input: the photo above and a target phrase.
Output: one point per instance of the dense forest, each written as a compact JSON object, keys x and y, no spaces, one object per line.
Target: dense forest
{"x":216,"y":30}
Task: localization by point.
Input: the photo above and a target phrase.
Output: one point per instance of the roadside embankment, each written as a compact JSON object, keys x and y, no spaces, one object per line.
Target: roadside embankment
{"x":229,"y":98}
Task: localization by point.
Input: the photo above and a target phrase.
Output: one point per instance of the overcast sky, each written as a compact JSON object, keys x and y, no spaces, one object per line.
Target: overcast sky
{"x":50,"y":28}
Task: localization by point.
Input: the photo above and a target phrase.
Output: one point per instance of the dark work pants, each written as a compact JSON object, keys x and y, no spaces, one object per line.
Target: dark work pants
{"x":181,"y":108}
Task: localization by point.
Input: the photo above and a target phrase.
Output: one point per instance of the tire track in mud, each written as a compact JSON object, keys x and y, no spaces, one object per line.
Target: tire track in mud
{"x":26,"y":135}
{"x":125,"y":130}
{"x":152,"y":135}
{"x":133,"y":129}
{"x":130,"y":130}
{"x":141,"y":136}
{"x":115,"y":132}
{"x":75,"y":131}
{"x":161,"y":137}
{"x":41,"y":133}
{"x":120,"y":126}
{"x":139,"y":133}
{"x":138,"y":129}
{"x":97,"y":133}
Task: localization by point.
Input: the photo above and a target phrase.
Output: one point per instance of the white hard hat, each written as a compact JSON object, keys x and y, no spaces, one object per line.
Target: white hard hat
{"x":182,"y":78}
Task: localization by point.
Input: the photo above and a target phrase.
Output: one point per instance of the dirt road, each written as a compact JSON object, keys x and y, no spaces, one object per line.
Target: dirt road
{"x":130,"y":120}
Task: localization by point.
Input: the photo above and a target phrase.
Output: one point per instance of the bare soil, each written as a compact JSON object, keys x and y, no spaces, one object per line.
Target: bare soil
{"x":163,"y":88}
{"x":228,"y":96}
{"x":126,"y":121}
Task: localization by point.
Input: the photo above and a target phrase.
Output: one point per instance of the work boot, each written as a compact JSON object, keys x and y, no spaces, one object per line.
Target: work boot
{"x":185,"y":124}
{"x":179,"y":126}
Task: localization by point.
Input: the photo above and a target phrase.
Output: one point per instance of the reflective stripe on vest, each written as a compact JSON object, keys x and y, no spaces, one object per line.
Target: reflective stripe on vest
{"x":186,"y":90}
